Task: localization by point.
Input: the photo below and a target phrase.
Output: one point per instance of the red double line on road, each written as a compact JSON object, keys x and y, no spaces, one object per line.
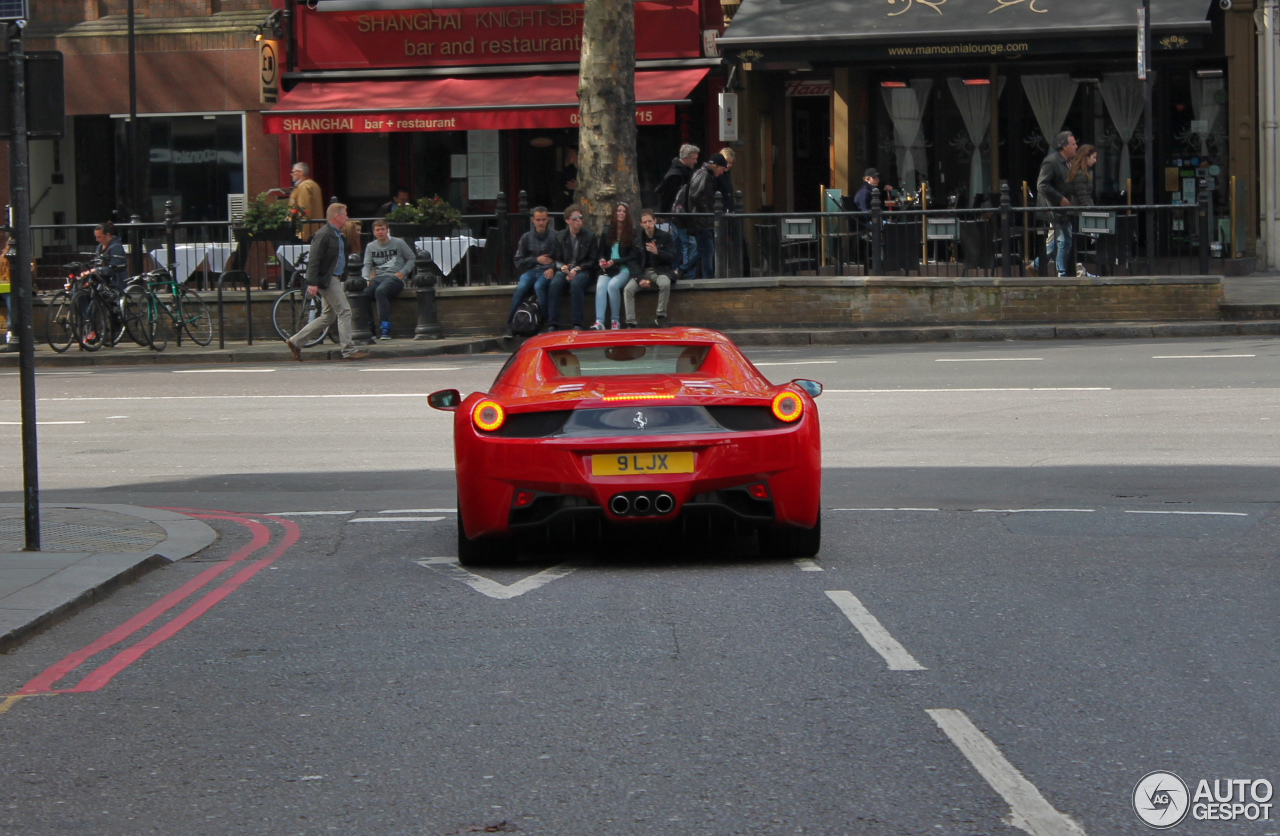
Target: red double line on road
{"x":260,"y":538}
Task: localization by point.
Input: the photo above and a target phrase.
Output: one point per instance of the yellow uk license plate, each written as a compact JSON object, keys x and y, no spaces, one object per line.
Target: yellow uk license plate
{"x":641,"y":464}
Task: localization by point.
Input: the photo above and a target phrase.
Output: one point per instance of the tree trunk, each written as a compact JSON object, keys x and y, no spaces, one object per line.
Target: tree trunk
{"x":607,"y":111}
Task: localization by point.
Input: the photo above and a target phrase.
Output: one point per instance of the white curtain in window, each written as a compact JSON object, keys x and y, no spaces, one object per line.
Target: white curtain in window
{"x":1050,"y":97}
{"x":906,"y":107}
{"x":1124,"y":97}
{"x":1204,"y":103}
{"x":974,"y":102}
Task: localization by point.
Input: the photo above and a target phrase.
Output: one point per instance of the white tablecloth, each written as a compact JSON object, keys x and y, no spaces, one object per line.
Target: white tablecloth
{"x":288,"y":253}
{"x":447,"y":252}
{"x":189,"y":258}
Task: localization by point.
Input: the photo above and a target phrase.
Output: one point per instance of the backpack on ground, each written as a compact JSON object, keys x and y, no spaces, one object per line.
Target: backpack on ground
{"x":527,"y":319}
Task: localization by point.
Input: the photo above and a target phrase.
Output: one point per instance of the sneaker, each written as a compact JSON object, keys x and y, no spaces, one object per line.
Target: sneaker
{"x":628,"y":325}
{"x":385,"y":336}
{"x":660,"y":322}
{"x":615,"y":326}
{"x":577,"y":327}
{"x":599,"y":326}
{"x":358,"y":355}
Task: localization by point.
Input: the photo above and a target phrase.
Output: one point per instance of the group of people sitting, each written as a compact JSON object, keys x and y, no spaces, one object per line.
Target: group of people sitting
{"x":622,"y":262}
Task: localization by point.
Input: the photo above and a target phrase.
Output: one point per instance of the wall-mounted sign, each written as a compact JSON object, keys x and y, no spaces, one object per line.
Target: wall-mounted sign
{"x":444,"y":120}
{"x":729,"y":117}
{"x":473,"y":36}
{"x":809,"y":87}
{"x":268,"y":71}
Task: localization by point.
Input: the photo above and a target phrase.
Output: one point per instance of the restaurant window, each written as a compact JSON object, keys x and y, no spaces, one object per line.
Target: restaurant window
{"x":195,"y":161}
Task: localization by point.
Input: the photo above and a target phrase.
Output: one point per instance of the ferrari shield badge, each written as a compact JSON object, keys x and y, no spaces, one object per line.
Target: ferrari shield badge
{"x":640,"y":421}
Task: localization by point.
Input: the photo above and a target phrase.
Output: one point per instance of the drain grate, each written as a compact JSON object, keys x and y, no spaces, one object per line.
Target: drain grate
{"x":81,"y":530}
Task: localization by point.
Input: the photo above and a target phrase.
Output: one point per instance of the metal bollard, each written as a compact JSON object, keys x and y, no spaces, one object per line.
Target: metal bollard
{"x":877,"y":251}
{"x":361,"y":317}
{"x":1005,"y":212}
{"x":425,"y":281}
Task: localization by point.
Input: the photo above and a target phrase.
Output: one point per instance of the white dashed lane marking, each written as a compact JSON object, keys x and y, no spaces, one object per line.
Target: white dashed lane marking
{"x":394,"y":519}
{"x":874,"y":632}
{"x":1029,"y":810}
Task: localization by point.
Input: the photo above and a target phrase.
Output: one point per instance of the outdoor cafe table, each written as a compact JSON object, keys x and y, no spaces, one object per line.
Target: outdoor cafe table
{"x":447,"y":252}
{"x":190,"y":258}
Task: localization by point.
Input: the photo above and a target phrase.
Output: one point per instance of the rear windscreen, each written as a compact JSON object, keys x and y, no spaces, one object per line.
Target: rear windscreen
{"x":604,"y":361}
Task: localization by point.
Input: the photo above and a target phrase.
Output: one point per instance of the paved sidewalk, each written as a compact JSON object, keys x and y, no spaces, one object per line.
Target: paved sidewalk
{"x":88,"y":552}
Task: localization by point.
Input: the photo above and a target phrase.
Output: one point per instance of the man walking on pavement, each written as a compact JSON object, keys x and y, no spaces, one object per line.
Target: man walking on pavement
{"x":702,"y":192}
{"x":325,"y":264}
{"x":1051,"y":188}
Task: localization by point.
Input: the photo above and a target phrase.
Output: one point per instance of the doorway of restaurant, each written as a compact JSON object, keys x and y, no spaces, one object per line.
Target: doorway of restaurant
{"x":810,"y":157}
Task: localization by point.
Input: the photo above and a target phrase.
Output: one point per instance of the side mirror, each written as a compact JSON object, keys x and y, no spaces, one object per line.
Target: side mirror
{"x":446,"y":399}
{"x":812,"y":387}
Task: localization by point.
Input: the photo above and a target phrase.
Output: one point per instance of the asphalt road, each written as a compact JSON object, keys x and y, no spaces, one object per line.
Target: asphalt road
{"x":1048,"y":569}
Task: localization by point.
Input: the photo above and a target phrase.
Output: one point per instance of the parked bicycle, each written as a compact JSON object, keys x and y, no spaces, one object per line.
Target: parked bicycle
{"x":153,"y":314}
{"x":88,"y":311}
{"x":295,"y":308}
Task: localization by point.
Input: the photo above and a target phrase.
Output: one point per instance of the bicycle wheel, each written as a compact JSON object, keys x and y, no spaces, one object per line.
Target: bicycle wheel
{"x":113,"y":303}
{"x":60,"y":326}
{"x":93,"y":322}
{"x":158,"y":328}
{"x":293,"y":310}
{"x":195,"y":317}
{"x":132,"y":307}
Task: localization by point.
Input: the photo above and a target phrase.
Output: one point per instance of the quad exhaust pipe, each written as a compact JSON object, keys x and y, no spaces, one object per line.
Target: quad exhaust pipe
{"x":642,"y":504}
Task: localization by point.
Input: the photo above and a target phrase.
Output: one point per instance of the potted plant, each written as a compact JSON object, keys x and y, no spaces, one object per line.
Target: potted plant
{"x":429,"y":217}
{"x":270,"y":220}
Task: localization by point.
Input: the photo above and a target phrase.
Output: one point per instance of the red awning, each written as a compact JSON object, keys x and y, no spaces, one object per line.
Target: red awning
{"x":461,"y":104}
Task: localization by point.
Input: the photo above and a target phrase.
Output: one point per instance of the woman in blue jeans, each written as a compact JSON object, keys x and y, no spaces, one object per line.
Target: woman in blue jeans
{"x":620,"y":257}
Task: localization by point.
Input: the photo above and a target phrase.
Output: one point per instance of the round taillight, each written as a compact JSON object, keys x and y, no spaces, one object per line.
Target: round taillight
{"x":787,"y":406}
{"x":488,"y":415}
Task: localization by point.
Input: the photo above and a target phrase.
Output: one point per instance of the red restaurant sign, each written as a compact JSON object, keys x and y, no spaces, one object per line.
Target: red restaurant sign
{"x":474,"y":36}
{"x":444,"y":120}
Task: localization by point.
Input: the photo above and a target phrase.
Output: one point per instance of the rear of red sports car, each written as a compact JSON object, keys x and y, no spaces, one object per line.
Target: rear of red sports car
{"x":584,"y":430}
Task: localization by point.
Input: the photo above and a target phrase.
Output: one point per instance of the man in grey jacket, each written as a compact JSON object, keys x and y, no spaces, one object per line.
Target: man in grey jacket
{"x":387,"y":263}
{"x":326,"y":260}
{"x":1051,"y":189}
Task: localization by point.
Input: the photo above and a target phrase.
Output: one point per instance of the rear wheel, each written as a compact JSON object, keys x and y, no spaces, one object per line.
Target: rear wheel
{"x":60,"y":325}
{"x":481,"y":551}
{"x":133,"y":306}
{"x":195,"y":318}
{"x":788,"y":541}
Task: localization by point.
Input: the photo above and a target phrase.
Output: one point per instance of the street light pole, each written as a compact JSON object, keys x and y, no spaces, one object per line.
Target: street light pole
{"x":20,"y":280}
{"x":131,"y":137}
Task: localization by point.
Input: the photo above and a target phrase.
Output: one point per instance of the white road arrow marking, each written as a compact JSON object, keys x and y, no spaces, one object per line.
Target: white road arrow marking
{"x":487,"y":586}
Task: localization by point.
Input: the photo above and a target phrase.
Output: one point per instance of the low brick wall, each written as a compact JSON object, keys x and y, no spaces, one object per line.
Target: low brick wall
{"x":813,"y":302}
{"x":845,"y":302}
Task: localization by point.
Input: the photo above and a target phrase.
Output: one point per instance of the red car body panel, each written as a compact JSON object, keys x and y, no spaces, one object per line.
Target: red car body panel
{"x":490,"y":468}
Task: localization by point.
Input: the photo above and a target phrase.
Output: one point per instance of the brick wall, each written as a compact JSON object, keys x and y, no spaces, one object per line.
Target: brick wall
{"x":814,"y":303}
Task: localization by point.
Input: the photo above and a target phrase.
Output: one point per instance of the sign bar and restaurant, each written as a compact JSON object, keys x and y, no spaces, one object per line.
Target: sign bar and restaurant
{"x":466,"y":99}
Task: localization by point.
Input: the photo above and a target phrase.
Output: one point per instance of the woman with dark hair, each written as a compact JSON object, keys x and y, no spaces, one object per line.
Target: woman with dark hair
{"x":109,"y":257}
{"x":1080,"y":176}
{"x":620,"y":257}
{"x":1080,"y":187}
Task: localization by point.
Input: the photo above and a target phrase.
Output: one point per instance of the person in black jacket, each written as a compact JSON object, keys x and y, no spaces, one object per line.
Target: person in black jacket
{"x":574,"y":253}
{"x":677,"y":176}
{"x":1052,"y":191}
{"x":534,"y":261}
{"x":658,"y":257}
{"x":619,"y":259}
{"x":702,"y":192}
{"x":326,"y":261}
{"x":110,"y":257}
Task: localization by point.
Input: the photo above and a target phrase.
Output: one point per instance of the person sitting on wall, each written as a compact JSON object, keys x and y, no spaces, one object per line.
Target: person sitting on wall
{"x":388,"y":262}
{"x":659,"y":255}
{"x":534,"y":261}
{"x":575,"y":255}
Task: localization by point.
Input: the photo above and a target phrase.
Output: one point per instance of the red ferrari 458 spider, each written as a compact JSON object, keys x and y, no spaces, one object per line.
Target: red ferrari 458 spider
{"x":584,"y":431}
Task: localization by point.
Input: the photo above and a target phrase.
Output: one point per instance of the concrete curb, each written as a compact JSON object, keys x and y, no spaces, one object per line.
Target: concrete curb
{"x":89,"y":578}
